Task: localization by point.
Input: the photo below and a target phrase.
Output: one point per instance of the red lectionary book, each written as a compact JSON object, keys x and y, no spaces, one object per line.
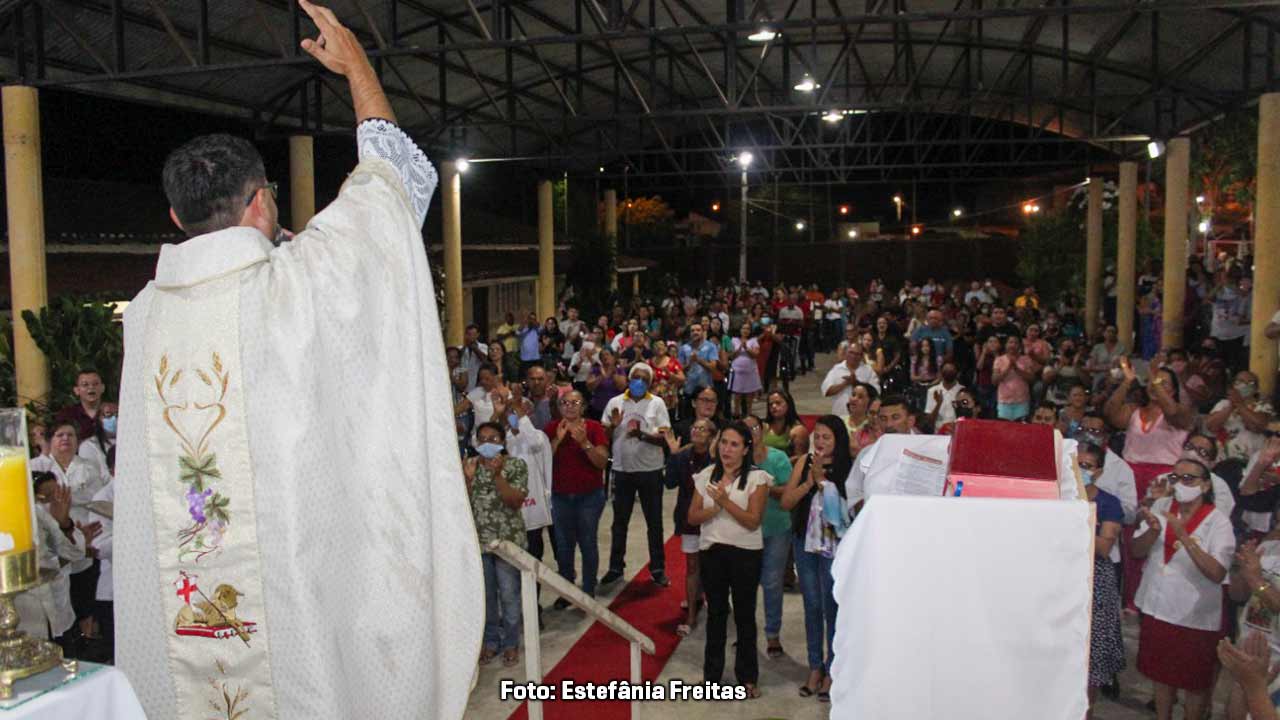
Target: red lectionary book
{"x":991,"y":458}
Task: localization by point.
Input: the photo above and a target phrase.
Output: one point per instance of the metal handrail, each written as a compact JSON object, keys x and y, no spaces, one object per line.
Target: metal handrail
{"x":534,"y":571}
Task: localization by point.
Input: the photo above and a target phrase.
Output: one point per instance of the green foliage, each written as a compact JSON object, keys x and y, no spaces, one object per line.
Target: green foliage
{"x":1224,"y":164}
{"x":1052,"y":256}
{"x":593,"y":259}
{"x":75,"y":332}
{"x":8,"y":378}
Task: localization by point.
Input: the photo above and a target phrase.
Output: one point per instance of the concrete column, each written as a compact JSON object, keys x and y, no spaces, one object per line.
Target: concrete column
{"x":1266,"y":251}
{"x":451,"y":213}
{"x":611,"y":232}
{"x":1177,"y":188}
{"x":302,"y":180}
{"x":635,"y":283}
{"x":546,"y":252}
{"x":1093,"y":258}
{"x":24,"y":196}
{"x":1126,"y":254}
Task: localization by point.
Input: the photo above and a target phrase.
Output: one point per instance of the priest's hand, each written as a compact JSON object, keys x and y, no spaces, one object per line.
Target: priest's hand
{"x":339,"y":51}
{"x":336,"y":47}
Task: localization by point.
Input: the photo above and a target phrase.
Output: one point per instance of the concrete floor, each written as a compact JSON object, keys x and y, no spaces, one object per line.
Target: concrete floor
{"x":779,"y":679}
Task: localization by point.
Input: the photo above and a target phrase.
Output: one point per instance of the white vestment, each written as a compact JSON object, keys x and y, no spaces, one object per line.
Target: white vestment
{"x":287,"y":443}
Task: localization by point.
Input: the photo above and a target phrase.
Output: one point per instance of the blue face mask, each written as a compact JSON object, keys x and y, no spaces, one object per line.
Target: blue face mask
{"x":638,"y":388}
{"x":1086,"y":477}
{"x":489,"y":451}
{"x":513,"y":420}
{"x":109,"y":425}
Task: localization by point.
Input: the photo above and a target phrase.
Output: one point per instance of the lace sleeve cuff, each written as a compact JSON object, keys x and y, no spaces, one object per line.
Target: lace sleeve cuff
{"x":381,"y":138}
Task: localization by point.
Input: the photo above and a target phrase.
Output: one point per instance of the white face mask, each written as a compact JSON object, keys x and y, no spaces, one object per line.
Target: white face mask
{"x":1187,"y":493}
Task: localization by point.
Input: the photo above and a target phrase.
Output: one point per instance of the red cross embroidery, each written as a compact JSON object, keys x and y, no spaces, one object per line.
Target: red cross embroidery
{"x":187,"y":588}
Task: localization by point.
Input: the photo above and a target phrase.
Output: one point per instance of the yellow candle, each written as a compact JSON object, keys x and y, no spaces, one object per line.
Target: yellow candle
{"x":15,"y":501}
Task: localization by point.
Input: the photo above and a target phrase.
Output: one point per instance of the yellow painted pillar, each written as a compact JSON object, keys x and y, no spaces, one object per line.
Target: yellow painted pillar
{"x":1126,"y":253}
{"x":635,"y":283}
{"x":1177,"y":188}
{"x":24,"y":196}
{"x":451,"y":214}
{"x":611,"y":232}
{"x":546,"y":253}
{"x":1266,"y":250}
{"x":1093,"y":258}
{"x":302,"y":180}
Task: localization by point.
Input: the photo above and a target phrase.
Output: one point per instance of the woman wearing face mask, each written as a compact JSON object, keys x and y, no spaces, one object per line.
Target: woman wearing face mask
{"x":966,"y":406}
{"x":815,"y":495}
{"x":94,"y":448}
{"x":729,"y":508}
{"x":1239,"y":420}
{"x":1187,"y":545}
{"x":497,"y":484}
{"x":1106,"y":645}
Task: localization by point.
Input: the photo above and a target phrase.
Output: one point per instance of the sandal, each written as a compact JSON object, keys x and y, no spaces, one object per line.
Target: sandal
{"x":775,"y":650}
{"x":487,"y":656}
{"x":806,"y":691}
{"x":753,"y":692}
{"x":825,"y":695}
{"x":683,"y":630}
{"x":510,"y":658}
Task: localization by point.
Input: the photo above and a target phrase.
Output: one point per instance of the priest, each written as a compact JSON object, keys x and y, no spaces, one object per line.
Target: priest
{"x":293,"y":538}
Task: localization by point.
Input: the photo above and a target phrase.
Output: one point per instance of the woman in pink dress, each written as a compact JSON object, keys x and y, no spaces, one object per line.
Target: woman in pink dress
{"x":744,"y":374}
{"x":1156,"y":426}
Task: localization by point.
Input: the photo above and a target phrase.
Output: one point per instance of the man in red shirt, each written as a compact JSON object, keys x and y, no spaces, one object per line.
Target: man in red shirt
{"x":579,"y":451}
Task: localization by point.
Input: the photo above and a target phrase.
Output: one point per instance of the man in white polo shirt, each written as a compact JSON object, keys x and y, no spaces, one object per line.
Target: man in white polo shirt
{"x":637,"y":422}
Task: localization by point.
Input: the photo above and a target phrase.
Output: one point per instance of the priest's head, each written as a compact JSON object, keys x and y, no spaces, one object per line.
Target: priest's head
{"x":218,"y":181}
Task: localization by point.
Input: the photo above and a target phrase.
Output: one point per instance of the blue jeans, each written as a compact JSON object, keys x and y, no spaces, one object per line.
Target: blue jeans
{"x":501,"y":604}
{"x":772,"y":568}
{"x":814,"y":574}
{"x":577,"y":519}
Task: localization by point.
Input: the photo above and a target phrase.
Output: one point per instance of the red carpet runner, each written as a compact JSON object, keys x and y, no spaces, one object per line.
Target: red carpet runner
{"x":601,"y":655}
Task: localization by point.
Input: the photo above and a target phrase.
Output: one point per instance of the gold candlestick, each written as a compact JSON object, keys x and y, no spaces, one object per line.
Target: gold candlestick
{"x":22,"y":656}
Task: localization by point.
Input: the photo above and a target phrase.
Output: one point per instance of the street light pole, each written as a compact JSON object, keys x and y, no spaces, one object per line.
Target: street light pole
{"x":742,"y":232}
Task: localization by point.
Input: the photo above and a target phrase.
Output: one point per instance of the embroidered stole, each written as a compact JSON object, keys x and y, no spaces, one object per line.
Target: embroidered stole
{"x":202,"y":489}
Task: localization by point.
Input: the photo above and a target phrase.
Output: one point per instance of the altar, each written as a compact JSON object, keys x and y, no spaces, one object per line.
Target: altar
{"x":94,"y":692}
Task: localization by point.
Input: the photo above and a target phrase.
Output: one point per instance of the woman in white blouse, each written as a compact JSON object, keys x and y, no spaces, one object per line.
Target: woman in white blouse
{"x":84,"y":479}
{"x":732,"y":494}
{"x":1187,"y":544}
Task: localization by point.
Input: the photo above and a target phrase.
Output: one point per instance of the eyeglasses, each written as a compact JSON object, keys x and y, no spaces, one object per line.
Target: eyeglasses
{"x":1271,"y":433}
{"x":962,"y":403}
{"x":570,"y":403}
{"x":1185,"y":478}
{"x":274,"y":187}
{"x":1087,"y":466}
{"x":706,"y":400}
{"x":1202,"y":452}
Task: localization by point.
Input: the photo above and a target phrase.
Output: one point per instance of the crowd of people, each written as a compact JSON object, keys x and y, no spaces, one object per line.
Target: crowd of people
{"x":686,"y":393}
